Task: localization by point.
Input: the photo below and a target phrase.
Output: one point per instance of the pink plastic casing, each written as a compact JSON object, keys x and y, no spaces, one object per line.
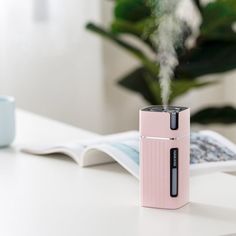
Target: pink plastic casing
{"x":155,"y":159}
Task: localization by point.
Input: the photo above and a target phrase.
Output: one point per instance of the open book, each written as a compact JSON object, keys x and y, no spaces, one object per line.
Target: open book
{"x":209,"y":152}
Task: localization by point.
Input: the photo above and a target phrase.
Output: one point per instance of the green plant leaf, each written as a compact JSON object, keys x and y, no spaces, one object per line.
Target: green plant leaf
{"x":143,"y":82}
{"x":180,"y":87}
{"x":216,"y":46}
{"x":218,"y":18}
{"x":148,"y":63}
{"x":225,"y":115}
{"x":137,"y":81}
{"x":131,"y":10}
{"x":208,"y":58}
{"x":139,"y":29}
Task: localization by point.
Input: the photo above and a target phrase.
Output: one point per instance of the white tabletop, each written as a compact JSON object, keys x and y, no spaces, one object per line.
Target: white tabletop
{"x":53,"y":196}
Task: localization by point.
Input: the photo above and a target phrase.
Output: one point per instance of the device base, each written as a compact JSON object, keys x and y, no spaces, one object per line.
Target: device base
{"x":166,"y":208}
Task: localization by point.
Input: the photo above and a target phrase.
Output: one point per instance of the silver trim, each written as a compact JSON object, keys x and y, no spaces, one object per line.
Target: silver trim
{"x":163,"y":138}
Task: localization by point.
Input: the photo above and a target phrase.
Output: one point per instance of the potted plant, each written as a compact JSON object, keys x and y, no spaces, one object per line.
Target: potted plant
{"x":213,"y":52}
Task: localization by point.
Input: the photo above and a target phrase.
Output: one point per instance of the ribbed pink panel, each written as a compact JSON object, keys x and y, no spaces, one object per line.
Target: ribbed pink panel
{"x":155,"y":173}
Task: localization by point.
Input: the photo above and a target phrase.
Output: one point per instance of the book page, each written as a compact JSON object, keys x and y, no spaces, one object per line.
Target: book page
{"x":210,"y":152}
{"x":125,"y":151}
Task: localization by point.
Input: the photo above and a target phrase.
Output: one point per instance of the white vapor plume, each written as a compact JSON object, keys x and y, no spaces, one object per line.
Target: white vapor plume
{"x":167,"y":37}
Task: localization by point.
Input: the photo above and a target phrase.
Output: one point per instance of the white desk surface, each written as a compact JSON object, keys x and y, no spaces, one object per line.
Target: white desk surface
{"x":53,"y":196}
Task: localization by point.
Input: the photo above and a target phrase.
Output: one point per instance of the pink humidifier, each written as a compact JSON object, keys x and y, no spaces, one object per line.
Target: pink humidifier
{"x":164,"y":150}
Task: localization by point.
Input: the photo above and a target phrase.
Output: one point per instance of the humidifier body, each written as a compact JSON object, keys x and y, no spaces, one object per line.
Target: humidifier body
{"x":164,"y":156}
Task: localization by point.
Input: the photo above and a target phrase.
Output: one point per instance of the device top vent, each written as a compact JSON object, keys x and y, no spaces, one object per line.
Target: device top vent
{"x":160,"y":108}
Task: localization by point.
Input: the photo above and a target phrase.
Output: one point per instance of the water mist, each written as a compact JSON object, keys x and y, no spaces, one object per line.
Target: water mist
{"x":167,"y":37}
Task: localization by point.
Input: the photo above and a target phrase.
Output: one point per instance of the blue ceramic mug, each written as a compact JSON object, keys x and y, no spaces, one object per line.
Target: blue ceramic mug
{"x":7,"y":120}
